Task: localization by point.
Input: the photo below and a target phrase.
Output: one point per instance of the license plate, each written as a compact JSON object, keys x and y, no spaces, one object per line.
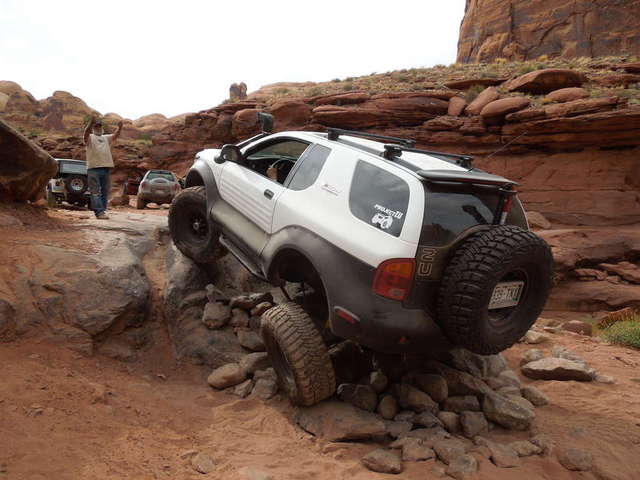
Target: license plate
{"x":506,"y":294}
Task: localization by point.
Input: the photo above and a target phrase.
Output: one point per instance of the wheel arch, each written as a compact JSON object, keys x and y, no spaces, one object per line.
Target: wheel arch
{"x":200,"y":174}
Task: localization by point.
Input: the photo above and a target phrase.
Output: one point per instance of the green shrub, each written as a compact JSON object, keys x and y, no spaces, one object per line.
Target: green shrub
{"x":313,"y":91}
{"x":625,"y":333}
{"x":473,"y":92}
{"x":347,"y":87}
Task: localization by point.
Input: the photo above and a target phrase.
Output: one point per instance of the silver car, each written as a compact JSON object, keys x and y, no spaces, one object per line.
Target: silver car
{"x":157,"y":186}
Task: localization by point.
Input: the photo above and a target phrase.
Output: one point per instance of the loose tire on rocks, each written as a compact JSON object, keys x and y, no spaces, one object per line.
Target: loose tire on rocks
{"x":190,"y":229}
{"x":298,"y":354}
{"x":500,"y":254}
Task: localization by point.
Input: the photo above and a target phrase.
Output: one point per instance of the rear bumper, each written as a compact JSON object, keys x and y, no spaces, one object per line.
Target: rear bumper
{"x":386,"y":326}
{"x":156,"y":198}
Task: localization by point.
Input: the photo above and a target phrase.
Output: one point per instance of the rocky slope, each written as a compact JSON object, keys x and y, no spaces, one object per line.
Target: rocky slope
{"x":527,"y":29}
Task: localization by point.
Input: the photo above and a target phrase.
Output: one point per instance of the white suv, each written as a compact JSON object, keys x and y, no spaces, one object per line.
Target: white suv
{"x":403,"y":250}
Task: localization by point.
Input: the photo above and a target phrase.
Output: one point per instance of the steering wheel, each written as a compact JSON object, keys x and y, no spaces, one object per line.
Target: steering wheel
{"x":274,"y":164}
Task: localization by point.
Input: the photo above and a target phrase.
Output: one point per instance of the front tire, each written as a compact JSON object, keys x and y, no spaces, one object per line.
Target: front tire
{"x":502,"y":253}
{"x":190,"y":229}
{"x":298,"y":354}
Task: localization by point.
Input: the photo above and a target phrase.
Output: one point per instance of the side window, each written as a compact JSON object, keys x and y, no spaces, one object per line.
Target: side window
{"x":310,"y":166}
{"x":379,"y":198}
{"x":275,"y":160}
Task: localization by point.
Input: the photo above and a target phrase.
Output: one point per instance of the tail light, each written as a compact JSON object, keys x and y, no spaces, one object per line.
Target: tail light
{"x":394,"y":278}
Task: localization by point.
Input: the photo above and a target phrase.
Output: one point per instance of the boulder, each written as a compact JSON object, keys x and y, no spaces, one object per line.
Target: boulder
{"x":589,"y":274}
{"x":264,"y":388}
{"x":617,"y":80}
{"x":502,"y":456}
{"x":576,"y":326}
{"x":581,"y":107}
{"x":535,"y":396}
{"x":459,"y":404}
{"x":458,"y":382}
{"x":477,"y":365}
{"x":245,"y":123}
{"x":337,"y":421}
{"x":533,"y":338}
{"x":361,"y":396}
{"x":531,"y":355}
{"x":290,"y":114}
{"x":378,"y":381}
{"x":25,"y":168}
{"x":575,"y":459}
{"x":383,"y":461}
{"x":558,"y":369}
{"x":627,"y":270}
{"x":525,"y":448}
{"x":239,"y":318}
{"x":485,"y":97}
{"x":546,"y":80}
{"x":450,"y":421}
{"x":254,"y":362}
{"x":473,"y":424}
{"x":414,"y":450}
{"x":244,"y":389}
{"x":387,"y":407}
{"x":216,"y":315}
{"x":433,"y":385}
{"x":396,"y":429}
{"x":507,"y":413}
{"x":226,"y":376}
{"x":633,"y":67}
{"x":495,"y":111}
{"x":413,"y":399}
{"x":251,"y":340}
{"x":462,"y":467}
{"x":202,"y":463}
{"x":568,"y":94}
{"x":449,"y":448}
{"x":444,"y":122}
{"x":537,"y":221}
{"x":456,"y":106}
{"x":471,"y":82}
{"x":342,"y":98}
{"x":427,"y":420}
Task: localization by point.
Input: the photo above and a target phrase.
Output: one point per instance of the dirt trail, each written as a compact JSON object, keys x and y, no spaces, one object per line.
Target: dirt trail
{"x":67,"y":416}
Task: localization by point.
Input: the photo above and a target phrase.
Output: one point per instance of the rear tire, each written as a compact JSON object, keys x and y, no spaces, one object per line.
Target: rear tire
{"x":298,"y":354}
{"x":501,"y":253}
{"x":190,"y":229}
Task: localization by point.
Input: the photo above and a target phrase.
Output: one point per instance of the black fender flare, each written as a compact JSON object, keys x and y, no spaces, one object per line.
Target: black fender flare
{"x":201,"y":174}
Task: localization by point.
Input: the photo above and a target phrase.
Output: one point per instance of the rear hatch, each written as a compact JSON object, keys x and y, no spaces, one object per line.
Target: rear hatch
{"x":456,"y":204}
{"x":161,"y":184}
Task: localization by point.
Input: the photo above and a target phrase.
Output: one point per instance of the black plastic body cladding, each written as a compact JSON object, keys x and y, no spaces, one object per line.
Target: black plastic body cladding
{"x":384,"y":325}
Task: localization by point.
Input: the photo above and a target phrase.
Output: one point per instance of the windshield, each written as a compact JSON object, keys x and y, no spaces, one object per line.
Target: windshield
{"x":451,"y":209}
{"x":166,"y":175}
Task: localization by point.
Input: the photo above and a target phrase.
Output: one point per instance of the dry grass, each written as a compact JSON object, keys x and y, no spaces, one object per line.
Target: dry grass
{"x":625,"y":333}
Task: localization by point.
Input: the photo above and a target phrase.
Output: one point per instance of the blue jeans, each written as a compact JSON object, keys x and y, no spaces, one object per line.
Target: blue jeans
{"x":99,"y":186}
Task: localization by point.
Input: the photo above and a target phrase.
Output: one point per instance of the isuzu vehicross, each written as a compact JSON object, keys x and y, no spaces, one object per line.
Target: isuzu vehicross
{"x":398,"y":249}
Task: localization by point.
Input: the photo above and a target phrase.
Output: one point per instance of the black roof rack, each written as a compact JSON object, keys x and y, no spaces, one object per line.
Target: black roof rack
{"x":334,"y":134}
{"x":464,"y":161}
{"x":399,"y":145}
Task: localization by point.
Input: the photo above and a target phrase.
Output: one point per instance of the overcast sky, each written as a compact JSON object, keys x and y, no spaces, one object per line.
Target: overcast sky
{"x":138,"y":57}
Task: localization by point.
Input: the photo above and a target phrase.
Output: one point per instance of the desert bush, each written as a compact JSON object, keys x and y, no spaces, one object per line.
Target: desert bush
{"x":625,"y":333}
{"x":313,"y":91}
{"x":347,"y":87}
{"x":473,"y":92}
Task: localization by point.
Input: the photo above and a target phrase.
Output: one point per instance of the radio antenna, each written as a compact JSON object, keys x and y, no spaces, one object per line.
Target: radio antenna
{"x":507,"y":144}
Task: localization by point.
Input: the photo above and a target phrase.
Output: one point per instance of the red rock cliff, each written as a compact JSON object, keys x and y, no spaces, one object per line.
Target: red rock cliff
{"x":526,"y":29}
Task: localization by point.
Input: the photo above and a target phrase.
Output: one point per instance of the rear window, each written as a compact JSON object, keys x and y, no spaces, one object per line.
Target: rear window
{"x":166,"y":176}
{"x":379,"y":198}
{"x":77,"y":168}
{"x":451,"y":209}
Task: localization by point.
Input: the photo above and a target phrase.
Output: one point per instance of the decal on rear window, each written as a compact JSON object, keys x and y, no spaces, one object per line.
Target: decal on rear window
{"x":379,"y":198}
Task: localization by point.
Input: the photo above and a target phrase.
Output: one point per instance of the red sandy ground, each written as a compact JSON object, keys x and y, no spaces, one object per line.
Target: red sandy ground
{"x":66,"y":416}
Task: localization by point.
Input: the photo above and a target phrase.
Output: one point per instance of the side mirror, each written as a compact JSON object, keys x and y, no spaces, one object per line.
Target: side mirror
{"x":266,"y":122}
{"x":229,"y":153}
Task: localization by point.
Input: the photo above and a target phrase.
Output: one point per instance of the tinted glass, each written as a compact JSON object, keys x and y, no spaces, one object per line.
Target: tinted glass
{"x":379,"y":198}
{"x":309,"y":169}
{"x":451,"y":209}
{"x":166,"y":176}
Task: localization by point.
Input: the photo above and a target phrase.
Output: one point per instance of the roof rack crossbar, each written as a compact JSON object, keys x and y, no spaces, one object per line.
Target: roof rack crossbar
{"x":461,"y":160}
{"x":334,"y":134}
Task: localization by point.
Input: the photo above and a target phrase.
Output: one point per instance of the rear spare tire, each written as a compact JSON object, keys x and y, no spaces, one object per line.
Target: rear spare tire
{"x":190,"y":229}
{"x":76,"y":184}
{"x":476,"y":283}
{"x":298,"y":354}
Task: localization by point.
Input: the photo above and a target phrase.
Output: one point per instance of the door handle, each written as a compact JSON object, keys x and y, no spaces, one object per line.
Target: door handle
{"x":268,"y":193}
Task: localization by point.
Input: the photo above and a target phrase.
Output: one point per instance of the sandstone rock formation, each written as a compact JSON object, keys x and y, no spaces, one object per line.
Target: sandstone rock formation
{"x":25,"y":168}
{"x":524,"y":30}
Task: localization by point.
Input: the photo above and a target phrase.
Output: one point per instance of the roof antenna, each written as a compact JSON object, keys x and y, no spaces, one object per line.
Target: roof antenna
{"x":504,"y":169}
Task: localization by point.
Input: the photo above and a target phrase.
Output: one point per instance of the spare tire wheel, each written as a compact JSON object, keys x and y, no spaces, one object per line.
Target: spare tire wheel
{"x":76,"y":184}
{"x":494,"y":287}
